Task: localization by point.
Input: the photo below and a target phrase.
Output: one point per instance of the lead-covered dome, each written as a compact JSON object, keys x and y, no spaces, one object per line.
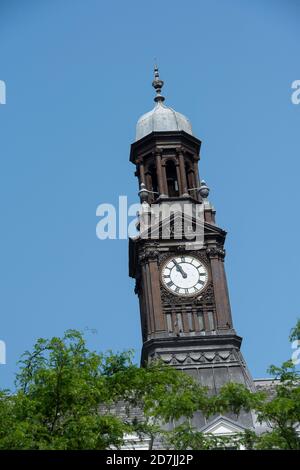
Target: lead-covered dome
{"x":161,"y":117}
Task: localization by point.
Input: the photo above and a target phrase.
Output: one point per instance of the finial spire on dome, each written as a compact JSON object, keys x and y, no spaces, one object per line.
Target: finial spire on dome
{"x":158,"y":84}
{"x":161,"y":118}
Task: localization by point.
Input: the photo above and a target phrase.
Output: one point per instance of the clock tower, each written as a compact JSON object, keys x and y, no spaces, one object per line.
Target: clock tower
{"x":177,"y":259}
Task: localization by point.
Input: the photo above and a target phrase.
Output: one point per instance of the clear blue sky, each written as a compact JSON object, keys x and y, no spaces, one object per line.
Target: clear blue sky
{"x":78,"y":76}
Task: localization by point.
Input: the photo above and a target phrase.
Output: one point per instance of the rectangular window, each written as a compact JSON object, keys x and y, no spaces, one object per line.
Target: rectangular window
{"x":200,"y":320}
{"x":179,"y":322}
{"x":210,"y":319}
{"x":190,"y":321}
{"x":169,"y":322}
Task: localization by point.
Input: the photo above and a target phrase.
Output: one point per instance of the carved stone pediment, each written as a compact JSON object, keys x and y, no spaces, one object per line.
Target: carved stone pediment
{"x":180,"y":226}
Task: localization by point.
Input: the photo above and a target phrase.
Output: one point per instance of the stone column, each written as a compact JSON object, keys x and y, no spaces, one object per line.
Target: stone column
{"x":196,"y":179}
{"x":223,"y":310}
{"x":182,"y":173}
{"x":142,"y":172}
{"x":148,"y":300}
{"x":179,"y":180}
{"x":196,"y":173}
{"x":159,"y":320}
{"x":150,"y":271}
{"x":159,"y":173}
{"x":164,"y":177}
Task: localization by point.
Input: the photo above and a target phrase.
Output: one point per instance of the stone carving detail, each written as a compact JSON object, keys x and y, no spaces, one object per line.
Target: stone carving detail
{"x":180,"y":249}
{"x":173,"y":229}
{"x":171,"y":299}
{"x":216,"y":252}
{"x":206,"y":357}
{"x":148,"y":253}
{"x":206,"y":297}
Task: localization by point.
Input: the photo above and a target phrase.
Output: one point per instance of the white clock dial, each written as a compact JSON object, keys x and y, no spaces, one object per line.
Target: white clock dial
{"x":184,"y":275}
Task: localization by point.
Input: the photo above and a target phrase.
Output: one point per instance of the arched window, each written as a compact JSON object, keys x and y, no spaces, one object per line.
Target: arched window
{"x":153,"y":178}
{"x":173,"y":189}
{"x":151,"y":182}
{"x":188,"y":175}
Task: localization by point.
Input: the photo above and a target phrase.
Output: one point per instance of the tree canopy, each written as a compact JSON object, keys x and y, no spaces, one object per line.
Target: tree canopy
{"x":68,"y":397}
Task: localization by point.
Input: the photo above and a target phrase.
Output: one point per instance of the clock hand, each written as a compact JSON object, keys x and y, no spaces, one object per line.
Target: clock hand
{"x":179,"y":269}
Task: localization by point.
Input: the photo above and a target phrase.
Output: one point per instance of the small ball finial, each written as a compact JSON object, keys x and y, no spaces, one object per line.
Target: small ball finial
{"x":143,"y":192}
{"x":157,"y":85}
{"x":204,"y":190}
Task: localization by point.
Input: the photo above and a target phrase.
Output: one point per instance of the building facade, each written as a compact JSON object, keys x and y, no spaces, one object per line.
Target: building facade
{"x":178,"y":257}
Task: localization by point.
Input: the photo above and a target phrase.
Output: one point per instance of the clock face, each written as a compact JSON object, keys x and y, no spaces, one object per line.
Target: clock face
{"x":184,"y":275}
